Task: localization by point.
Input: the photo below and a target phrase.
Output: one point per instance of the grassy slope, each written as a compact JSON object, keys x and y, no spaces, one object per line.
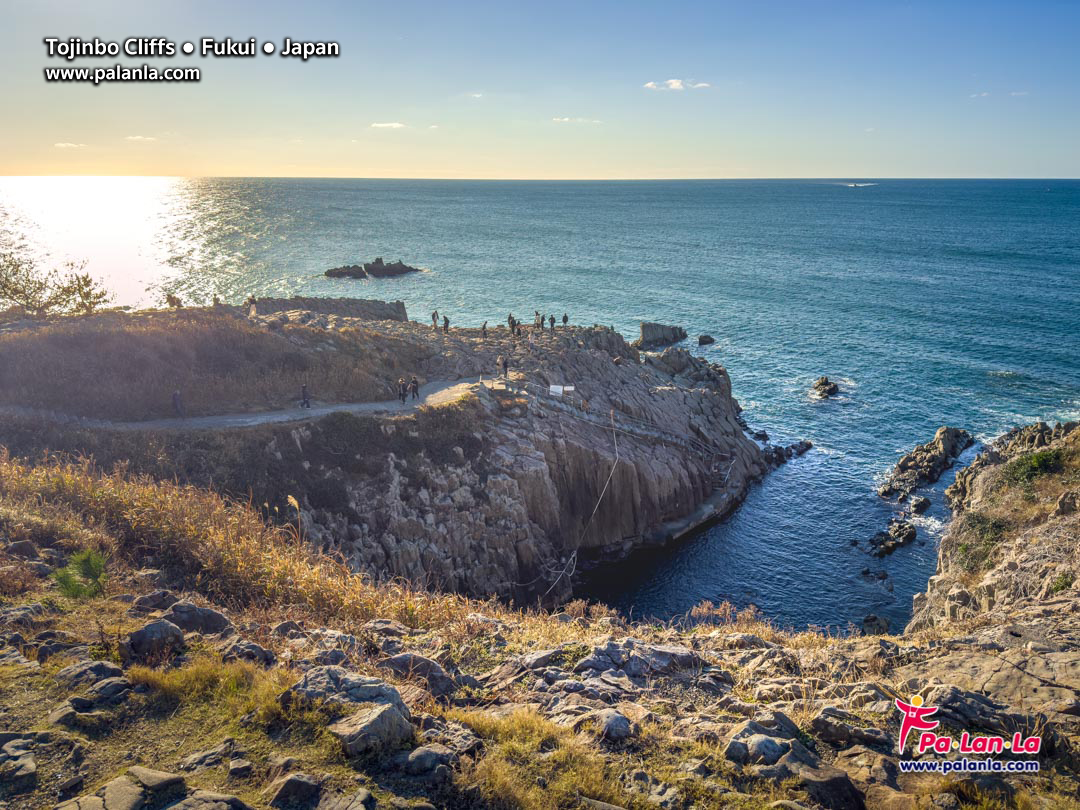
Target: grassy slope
{"x":126,"y":366}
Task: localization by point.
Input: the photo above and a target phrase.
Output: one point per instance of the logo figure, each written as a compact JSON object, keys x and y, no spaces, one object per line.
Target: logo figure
{"x":915,"y":716}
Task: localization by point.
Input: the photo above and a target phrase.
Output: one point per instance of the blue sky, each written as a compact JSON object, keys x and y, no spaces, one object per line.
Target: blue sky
{"x":559,"y":90}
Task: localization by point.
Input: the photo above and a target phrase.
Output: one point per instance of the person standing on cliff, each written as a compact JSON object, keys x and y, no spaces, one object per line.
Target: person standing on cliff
{"x":402,"y":390}
{"x":502,"y":361}
{"x":483,"y":331}
{"x":435,"y":320}
{"x":551,"y":322}
{"x":414,"y":387}
{"x":445,"y":324}
{"x":305,"y":400}
{"x":565,"y":320}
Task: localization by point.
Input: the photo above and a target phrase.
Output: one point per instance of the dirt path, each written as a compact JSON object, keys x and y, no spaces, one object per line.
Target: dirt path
{"x":437,"y":392}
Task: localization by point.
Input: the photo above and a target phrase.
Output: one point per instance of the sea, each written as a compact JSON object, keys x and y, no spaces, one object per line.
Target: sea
{"x":931,"y":302}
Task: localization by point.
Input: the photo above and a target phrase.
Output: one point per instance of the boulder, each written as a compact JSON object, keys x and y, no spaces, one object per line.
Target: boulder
{"x":361,"y":800}
{"x":239,"y":649}
{"x":376,"y":728}
{"x":24,"y":549}
{"x":919,"y":504}
{"x":336,"y":685}
{"x":87,"y":672}
{"x":160,"y":599}
{"x":427,"y":758}
{"x":409,"y":664}
{"x":296,"y":791}
{"x":705,"y":340}
{"x":657,"y":335}
{"x":192,"y":618}
{"x":157,"y":639}
{"x":613,"y":725}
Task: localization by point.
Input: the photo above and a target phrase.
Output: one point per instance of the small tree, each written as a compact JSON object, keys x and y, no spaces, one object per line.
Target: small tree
{"x":40,"y":293}
{"x":84,"y":576}
{"x":85,"y":295}
{"x":23,"y":286}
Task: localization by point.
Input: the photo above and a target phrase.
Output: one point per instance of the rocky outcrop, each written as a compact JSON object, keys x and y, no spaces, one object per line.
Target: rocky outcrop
{"x":925,"y":464}
{"x":534,"y":491}
{"x":997,"y":567}
{"x":705,"y":340}
{"x":657,"y":336}
{"x":360,"y":308}
{"x":825,"y":388}
{"x":375,"y":269}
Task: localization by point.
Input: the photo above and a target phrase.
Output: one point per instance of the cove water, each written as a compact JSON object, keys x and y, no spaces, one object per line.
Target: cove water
{"x":931,"y":302}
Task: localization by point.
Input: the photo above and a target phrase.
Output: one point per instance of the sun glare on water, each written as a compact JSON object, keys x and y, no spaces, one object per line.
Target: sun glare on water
{"x":114,"y":224}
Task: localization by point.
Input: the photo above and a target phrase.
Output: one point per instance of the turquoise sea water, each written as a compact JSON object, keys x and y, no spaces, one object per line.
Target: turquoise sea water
{"x":933,"y":302}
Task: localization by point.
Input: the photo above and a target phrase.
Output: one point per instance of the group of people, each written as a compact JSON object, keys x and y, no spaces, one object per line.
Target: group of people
{"x":445,"y":322}
{"x":539,"y":321}
{"x":407,"y":389}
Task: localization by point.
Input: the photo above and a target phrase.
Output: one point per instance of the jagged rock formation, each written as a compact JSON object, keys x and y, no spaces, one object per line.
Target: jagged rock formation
{"x":546,"y":491}
{"x":375,"y":269}
{"x":657,"y":335}
{"x":825,"y":388}
{"x":925,"y":464}
{"x":1008,"y":557}
{"x":360,"y":308}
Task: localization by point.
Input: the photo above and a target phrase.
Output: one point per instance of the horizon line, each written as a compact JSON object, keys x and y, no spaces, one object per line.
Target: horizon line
{"x":544,"y":179}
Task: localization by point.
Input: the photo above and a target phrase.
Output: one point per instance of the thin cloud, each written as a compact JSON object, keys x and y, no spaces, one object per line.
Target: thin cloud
{"x":140,"y":138}
{"x":67,"y":145}
{"x":1018,"y":93}
{"x":433,"y":126}
{"x":870,"y":129}
{"x":576,"y":121}
{"x":389,"y":125}
{"x":476,"y":95}
{"x":676,"y":84}
{"x":983,"y":94}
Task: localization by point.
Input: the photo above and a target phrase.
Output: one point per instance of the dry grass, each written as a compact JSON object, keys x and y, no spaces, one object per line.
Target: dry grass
{"x":534,"y":764}
{"x":126,"y":366}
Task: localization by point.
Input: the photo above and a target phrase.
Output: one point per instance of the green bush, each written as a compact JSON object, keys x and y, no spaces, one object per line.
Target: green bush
{"x":1026,"y":469}
{"x":1062,"y":582}
{"x":84,"y":576}
{"x":981,"y":534}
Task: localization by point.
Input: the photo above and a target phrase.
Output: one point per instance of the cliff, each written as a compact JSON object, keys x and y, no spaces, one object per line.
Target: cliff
{"x":212,"y":662}
{"x":497,"y":487}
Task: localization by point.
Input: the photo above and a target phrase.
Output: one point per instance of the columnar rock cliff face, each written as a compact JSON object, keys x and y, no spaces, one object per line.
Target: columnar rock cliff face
{"x":552,"y":482}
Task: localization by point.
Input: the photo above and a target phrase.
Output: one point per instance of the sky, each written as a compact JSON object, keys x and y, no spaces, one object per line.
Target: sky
{"x":557,"y":90}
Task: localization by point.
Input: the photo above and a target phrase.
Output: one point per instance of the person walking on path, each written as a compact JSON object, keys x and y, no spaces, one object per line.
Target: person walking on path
{"x":414,"y":387}
{"x":435,"y":320}
{"x":505,"y":365}
{"x":402,"y":390}
{"x":510,"y":321}
{"x":565,"y":320}
{"x":551,"y":321}
{"x":445,"y":324}
{"x":305,"y":400}
{"x":177,"y":404}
